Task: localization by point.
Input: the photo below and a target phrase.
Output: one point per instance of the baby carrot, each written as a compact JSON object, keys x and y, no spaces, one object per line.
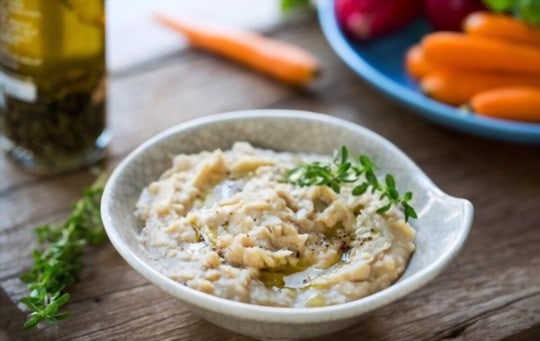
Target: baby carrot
{"x":456,"y":87}
{"x":501,"y":26}
{"x":480,"y":54}
{"x":416,"y":63}
{"x":272,"y":57}
{"x":513,"y":103}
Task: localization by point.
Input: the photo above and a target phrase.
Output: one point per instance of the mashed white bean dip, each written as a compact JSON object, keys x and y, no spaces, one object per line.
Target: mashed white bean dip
{"x":225,"y":223}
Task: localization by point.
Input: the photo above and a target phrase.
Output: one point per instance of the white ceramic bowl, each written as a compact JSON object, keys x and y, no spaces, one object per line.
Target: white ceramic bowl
{"x":442,"y":225}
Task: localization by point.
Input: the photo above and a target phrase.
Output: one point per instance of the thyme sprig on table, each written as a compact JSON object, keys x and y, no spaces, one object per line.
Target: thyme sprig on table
{"x":57,"y":266}
{"x":361,"y":171}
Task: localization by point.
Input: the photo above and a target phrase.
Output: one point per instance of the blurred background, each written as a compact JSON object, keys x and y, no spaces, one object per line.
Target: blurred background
{"x":133,"y":37}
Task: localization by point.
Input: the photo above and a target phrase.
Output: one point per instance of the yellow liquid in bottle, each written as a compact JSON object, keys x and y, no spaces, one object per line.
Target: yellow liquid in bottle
{"x":52,"y":79}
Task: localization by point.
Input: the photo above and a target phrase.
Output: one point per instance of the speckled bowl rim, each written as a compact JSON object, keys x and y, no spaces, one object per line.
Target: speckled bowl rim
{"x":279,"y":314}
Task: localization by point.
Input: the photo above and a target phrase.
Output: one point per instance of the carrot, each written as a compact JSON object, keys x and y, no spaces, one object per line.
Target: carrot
{"x":513,"y":103}
{"x":458,"y":50}
{"x":456,"y":87}
{"x":416,"y":63}
{"x":278,"y":59}
{"x":500,"y":26}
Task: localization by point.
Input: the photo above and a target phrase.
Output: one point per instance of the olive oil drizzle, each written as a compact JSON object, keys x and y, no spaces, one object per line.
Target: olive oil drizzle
{"x":282,"y":277}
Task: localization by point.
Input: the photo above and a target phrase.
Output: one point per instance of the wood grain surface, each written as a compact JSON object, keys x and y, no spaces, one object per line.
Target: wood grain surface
{"x":491,"y":290}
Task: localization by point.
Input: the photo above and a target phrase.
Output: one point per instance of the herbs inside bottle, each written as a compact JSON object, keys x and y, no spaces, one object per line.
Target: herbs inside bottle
{"x":52,"y":82}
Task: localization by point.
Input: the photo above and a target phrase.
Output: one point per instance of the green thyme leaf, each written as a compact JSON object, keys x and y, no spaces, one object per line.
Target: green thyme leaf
{"x":31,"y":322}
{"x":384,"y":208}
{"x":409,"y":211}
{"x":390,"y":182}
{"x":360,"y":189}
{"x":344,"y":154}
{"x":372,"y":180}
{"x":407,"y":196}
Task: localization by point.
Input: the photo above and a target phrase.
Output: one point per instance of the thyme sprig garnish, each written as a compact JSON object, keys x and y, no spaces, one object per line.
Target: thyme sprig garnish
{"x":361,"y":171}
{"x":57,"y":266}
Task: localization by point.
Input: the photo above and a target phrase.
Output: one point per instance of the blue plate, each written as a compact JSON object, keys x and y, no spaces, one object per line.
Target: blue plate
{"x":381,"y":63}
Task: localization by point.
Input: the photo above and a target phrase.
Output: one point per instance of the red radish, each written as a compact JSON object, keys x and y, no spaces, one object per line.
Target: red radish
{"x":365,"y":19}
{"x":447,"y":15}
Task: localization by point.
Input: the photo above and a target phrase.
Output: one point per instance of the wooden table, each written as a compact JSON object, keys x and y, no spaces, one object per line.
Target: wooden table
{"x":491,"y":291}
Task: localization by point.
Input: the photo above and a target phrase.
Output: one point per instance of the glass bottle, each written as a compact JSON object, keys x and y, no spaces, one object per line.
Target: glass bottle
{"x":53,"y":83}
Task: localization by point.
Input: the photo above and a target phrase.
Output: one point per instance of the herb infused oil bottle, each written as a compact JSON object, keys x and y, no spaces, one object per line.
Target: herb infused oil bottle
{"x":52,"y":83}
